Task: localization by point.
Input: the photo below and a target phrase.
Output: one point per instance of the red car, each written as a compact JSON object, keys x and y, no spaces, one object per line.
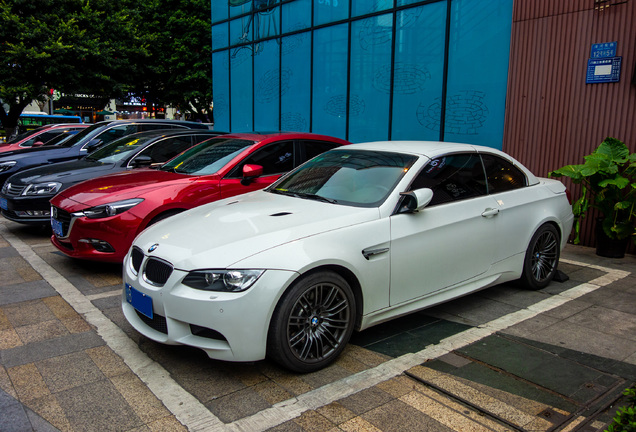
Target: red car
{"x":98,"y":219}
{"x":41,"y":136}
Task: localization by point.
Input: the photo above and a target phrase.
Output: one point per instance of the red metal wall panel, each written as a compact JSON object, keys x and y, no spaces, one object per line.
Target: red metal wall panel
{"x":552,"y":117}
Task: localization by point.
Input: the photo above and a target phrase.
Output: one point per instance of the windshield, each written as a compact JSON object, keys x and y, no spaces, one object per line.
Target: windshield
{"x":208,"y":157}
{"x":119,"y":150}
{"x":360,"y":178}
{"x":80,"y":136}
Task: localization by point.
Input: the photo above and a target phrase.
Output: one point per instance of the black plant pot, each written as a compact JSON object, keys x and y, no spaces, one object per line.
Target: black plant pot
{"x":608,"y":247}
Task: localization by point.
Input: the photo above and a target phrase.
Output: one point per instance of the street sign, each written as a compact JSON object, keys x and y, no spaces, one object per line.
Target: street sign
{"x":603,"y":50}
{"x":605,"y":70}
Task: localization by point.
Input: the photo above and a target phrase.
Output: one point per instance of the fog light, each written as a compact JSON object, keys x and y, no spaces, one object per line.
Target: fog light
{"x":33,"y":213}
{"x":99,"y":245}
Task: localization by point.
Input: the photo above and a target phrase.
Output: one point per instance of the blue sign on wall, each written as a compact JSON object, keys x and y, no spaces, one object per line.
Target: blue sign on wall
{"x":603,"y":50}
{"x":603,"y":70}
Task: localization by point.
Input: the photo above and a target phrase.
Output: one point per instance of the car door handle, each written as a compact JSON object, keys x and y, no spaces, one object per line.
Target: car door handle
{"x":490,"y":212}
{"x":368,"y":253}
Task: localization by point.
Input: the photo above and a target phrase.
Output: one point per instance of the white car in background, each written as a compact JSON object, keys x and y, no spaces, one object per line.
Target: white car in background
{"x":355,"y":237}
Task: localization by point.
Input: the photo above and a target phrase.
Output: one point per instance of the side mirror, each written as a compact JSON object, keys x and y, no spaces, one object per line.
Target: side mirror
{"x":415,"y":201}
{"x":250,"y":172}
{"x":141,"y":161}
{"x":93,"y":145}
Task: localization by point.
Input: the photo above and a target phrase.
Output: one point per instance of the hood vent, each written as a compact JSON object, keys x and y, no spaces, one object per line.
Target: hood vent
{"x":281,"y":214}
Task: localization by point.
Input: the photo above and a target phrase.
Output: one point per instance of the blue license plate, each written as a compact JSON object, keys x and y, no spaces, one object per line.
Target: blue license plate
{"x":3,"y":204}
{"x":139,"y":301}
{"x":56,"y":226}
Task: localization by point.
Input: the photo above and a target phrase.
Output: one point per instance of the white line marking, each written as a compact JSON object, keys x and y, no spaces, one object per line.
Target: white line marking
{"x":186,"y":408}
{"x":196,"y":417}
{"x":103,"y":295}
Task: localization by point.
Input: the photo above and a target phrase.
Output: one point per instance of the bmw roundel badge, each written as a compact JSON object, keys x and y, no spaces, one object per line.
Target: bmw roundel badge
{"x":153,"y":247}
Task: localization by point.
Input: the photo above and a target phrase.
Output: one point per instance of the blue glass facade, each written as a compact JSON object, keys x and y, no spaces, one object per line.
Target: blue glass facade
{"x":363,"y":70}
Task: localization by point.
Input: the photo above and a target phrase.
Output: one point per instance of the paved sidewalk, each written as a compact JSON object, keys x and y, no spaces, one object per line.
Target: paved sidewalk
{"x":557,"y":358}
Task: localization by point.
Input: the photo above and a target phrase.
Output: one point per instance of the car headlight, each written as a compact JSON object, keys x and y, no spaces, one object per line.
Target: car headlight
{"x":50,"y":188}
{"x":111,"y":209}
{"x":222,"y":280}
{"x":5,"y":166}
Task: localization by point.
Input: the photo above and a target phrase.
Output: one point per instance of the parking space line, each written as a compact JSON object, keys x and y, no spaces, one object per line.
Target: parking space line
{"x":104,"y":295}
{"x":185,"y":407}
{"x":196,"y":417}
{"x":292,"y":408}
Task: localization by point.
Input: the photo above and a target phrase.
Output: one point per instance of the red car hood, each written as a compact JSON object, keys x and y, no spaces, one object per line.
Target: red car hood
{"x":117,"y":187}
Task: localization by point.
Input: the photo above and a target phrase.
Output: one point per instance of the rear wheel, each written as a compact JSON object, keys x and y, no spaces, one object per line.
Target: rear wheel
{"x":312,"y":322}
{"x":542,"y":258}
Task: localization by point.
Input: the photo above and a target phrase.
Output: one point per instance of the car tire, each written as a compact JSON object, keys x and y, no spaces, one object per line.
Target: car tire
{"x":312,"y":322}
{"x":542,"y":258}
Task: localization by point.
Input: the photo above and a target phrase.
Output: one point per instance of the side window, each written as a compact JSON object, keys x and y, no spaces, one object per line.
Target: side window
{"x":312,"y":149}
{"x":116,"y":132}
{"x":452,"y":178}
{"x":275,"y":158}
{"x":43,"y":137}
{"x":166,"y":149}
{"x":502,"y":175}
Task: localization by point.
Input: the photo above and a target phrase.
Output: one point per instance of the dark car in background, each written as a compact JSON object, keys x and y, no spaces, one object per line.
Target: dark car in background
{"x":25,"y":195}
{"x":41,"y":136}
{"x":88,"y":140}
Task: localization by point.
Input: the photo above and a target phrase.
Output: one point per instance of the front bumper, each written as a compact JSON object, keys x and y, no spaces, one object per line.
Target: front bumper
{"x":26,"y":210}
{"x":106,"y":239}
{"x":227,"y":326}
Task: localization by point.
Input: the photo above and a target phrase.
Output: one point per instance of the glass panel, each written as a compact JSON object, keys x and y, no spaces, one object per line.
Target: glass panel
{"x":370,"y":82}
{"x":267,"y":86}
{"x":329,"y":106}
{"x":238,"y":7}
{"x":240,"y":30}
{"x":418,"y":72}
{"x":219,"y":10}
{"x":266,"y":20}
{"x":361,"y":7}
{"x":479,"y":43}
{"x":326,"y":11}
{"x":241,"y":89}
{"x":295,"y":80}
{"x":296,"y":15}
{"x":219,"y":36}
{"x":221,"y":90}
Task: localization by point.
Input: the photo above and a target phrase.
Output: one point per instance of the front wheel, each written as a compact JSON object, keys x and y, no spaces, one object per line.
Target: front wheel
{"x":312,"y":322}
{"x":542,"y":258}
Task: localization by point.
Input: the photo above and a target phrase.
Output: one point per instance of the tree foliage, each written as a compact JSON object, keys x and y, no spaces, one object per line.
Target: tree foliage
{"x":156,"y":49}
{"x":75,"y":46}
{"x":178,"y":70}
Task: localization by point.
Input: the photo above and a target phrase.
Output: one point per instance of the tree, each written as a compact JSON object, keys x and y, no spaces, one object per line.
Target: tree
{"x":178,"y":69}
{"x":75,"y":46}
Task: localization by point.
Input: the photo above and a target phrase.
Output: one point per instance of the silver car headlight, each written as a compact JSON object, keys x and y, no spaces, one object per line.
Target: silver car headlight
{"x":49,"y":188}
{"x":222,"y":280}
{"x":5,"y":166}
{"x":110,"y":209}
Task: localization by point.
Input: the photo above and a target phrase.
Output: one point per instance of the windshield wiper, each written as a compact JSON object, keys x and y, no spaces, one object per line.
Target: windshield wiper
{"x":305,"y":196}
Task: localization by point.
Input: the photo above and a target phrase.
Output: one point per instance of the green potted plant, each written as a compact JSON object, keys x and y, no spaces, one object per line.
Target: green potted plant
{"x":608,"y":184}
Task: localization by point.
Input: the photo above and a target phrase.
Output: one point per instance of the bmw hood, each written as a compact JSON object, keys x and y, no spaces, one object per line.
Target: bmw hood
{"x":65,"y":172}
{"x":219,"y":234}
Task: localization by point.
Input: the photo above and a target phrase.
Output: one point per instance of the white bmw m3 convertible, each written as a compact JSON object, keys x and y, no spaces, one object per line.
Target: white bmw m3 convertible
{"x":356,"y":236}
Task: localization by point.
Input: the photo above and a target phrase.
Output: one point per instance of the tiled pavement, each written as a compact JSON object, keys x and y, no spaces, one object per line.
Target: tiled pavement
{"x":502,"y":359}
